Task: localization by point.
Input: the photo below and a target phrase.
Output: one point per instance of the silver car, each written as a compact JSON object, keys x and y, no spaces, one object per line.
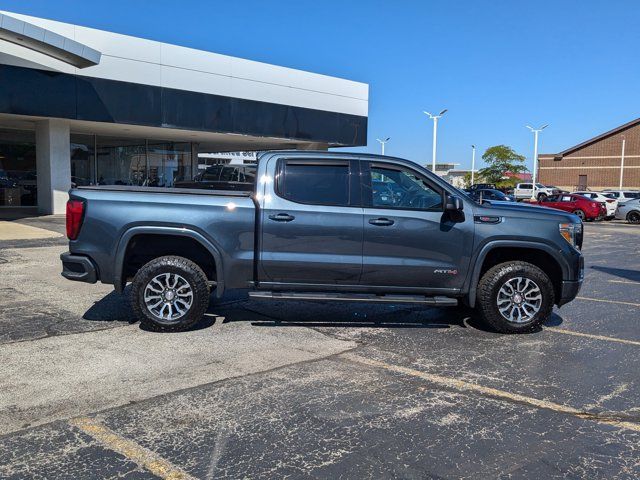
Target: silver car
{"x":629,"y":211}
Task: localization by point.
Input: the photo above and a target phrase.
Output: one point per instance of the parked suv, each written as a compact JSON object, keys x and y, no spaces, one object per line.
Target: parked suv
{"x":326,"y":226}
{"x":621,"y":195}
{"x":525,"y":190}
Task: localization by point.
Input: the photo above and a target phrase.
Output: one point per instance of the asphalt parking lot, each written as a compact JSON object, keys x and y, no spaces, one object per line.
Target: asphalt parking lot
{"x":316,"y":390}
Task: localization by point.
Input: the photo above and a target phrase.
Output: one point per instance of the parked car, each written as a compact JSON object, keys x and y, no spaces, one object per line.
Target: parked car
{"x":581,"y":206}
{"x":629,"y":211}
{"x":610,"y":203}
{"x":312,"y":229}
{"x":525,"y":190}
{"x":482,"y":194}
{"x":621,"y":195}
{"x":483,"y":186}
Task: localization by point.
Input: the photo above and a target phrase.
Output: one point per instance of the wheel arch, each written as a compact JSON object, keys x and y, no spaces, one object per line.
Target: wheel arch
{"x":541,"y":255}
{"x":130,"y":234}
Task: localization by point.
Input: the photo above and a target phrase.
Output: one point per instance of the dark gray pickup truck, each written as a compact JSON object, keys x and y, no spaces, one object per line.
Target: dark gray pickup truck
{"x":324,"y":226}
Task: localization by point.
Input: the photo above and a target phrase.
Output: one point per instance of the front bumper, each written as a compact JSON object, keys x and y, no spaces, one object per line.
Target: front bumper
{"x":78,"y":268}
{"x":570,"y":288}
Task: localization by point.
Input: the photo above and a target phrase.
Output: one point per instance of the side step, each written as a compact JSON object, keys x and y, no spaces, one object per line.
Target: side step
{"x":355,"y":297}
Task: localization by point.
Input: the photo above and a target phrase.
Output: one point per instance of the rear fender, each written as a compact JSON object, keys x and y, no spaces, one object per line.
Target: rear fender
{"x":181,"y":232}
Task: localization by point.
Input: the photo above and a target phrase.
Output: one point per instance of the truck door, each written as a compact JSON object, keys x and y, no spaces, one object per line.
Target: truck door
{"x":409,"y":241}
{"x":311,"y":224}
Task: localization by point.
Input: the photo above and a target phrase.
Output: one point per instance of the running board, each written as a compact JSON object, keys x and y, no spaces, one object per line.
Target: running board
{"x":355,"y":297}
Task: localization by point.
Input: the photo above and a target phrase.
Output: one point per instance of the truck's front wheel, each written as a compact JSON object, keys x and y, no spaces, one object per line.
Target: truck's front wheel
{"x":515,"y":297}
{"x":170,"y":294}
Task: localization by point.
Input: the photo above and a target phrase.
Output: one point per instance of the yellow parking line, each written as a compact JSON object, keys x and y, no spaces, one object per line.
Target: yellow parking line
{"x":609,"y":301}
{"x":590,"y":335}
{"x":464,"y":386}
{"x":131,"y":450}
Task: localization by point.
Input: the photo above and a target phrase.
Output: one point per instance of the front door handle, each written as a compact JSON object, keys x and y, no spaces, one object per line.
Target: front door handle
{"x":281,"y":217}
{"x":381,"y":222}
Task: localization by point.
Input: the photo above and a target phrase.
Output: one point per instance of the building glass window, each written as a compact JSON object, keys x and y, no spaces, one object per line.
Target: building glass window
{"x":121,"y":161}
{"x":168,"y":163}
{"x":83,"y":160}
{"x":18,"y":186}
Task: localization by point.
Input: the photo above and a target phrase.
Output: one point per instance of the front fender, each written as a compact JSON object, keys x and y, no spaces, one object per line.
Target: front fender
{"x":126,"y":237}
{"x":474,"y":276}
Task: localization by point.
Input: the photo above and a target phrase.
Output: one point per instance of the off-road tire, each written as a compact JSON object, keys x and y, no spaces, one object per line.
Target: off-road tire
{"x":495,"y":278}
{"x":188,"y":270}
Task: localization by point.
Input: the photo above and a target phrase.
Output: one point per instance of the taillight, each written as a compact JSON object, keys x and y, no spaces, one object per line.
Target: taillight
{"x":75,"y":215}
{"x":594,"y":204}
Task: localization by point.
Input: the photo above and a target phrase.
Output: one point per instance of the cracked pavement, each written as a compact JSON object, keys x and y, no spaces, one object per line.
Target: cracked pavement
{"x":314,"y":389}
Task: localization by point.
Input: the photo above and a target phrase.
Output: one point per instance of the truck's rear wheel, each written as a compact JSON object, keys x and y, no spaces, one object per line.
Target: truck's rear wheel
{"x":170,"y":294}
{"x":515,"y":297}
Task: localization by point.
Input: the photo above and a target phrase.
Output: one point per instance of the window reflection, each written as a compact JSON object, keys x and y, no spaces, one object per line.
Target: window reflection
{"x":82,"y":160}
{"x":168,"y":163}
{"x":121,"y":161}
{"x":18,"y":169}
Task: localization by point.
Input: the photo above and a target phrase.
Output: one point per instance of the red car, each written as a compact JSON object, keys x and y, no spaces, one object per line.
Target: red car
{"x":583,"y":207}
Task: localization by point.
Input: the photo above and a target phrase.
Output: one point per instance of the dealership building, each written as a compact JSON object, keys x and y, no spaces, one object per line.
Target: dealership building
{"x":89,"y":107}
{"x":597,"y":163}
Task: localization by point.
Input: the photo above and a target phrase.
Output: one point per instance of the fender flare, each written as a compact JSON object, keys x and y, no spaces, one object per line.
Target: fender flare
{"x":126,"y":237}
{"x":474,"y":277}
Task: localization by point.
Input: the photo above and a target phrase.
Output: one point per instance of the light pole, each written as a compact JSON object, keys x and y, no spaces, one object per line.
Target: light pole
{"x":536,"y":132}
{"x":473,"y":162}
{"x":383,"y":142}
{"x":435,"y":135}
{"x":622,"y":163}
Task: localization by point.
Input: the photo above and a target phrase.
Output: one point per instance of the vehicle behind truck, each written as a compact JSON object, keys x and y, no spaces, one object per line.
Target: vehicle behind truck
{"x":323,"y":226}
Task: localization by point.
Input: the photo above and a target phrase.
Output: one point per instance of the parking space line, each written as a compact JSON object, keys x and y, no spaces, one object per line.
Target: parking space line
{"x":464,"y":386}
{"x":130,"y":449}
{"x":608,"y":301}
{"x":627,"y":282}
{"x":595,"y":337}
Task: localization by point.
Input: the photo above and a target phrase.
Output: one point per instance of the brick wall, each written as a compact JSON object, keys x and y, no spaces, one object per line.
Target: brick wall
{"x":599,"y":161}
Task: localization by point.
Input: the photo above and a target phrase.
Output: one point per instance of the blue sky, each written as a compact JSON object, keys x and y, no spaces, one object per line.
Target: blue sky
{"x":496,"y":65}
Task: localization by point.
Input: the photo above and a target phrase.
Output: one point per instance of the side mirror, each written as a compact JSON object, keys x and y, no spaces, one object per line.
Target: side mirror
{"x":454,"y":204}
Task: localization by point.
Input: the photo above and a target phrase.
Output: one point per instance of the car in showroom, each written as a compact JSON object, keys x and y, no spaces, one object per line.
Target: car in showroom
{"x":579,"y":205}
{"x":610,"y":202}
{"x":629,"y":211}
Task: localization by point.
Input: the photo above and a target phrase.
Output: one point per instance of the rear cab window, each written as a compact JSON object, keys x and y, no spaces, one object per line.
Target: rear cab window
{"x":315,"y":182}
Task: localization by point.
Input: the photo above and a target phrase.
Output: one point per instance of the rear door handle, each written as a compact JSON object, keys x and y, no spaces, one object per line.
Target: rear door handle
{"x":381,"y":222}
{"x":281,"y":217}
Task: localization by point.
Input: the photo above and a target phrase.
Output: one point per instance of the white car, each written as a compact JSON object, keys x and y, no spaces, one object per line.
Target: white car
{"x":621,"y":195}
{"x":525,"y":190}
{"x":609,"y":202}
{"x":629,"y":211}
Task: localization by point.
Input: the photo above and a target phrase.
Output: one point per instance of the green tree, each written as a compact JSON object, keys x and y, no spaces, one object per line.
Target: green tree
{"x":501,"y":159}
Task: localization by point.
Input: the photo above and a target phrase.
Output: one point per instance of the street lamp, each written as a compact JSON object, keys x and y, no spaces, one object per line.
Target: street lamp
{"x":535,"y":131}
{"x":435,"y":135}
{"x":383,"y":142}
{"x":473,"y":162}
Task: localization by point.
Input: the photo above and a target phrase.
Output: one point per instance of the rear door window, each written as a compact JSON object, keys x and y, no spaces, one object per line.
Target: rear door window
{"x":314,"y":182}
